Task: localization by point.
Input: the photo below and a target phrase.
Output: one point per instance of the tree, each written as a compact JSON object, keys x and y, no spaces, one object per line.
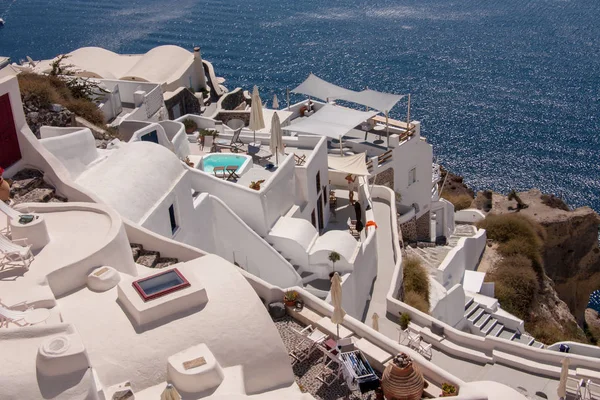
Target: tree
{"x":80,"y":88}
{"x":334,"y":257}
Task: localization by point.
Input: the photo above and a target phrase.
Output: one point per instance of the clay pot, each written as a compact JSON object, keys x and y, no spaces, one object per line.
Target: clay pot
{"x":4,"y":190}
{"x":402,"y":383}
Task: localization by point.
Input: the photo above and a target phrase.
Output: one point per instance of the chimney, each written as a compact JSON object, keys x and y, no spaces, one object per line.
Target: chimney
{"x":196,"y":52}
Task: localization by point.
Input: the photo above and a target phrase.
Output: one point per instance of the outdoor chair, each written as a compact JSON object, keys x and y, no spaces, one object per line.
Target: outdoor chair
{"x":575,"y":388}
{"x":306,"y":342}
{"x":235,"y":144}
{"x":219,"y":172}
{"x":331,"y":370}
{"x":28,"y":317}
{"x":592,"y":390}
{"x":13,"y":253}
{"x":11,"y":214}
{"x":422,"y":347}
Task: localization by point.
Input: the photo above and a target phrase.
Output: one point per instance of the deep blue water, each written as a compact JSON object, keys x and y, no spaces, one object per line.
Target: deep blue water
{"x":507,"y":91}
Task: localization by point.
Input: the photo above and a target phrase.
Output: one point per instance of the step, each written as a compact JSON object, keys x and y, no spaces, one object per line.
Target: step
{"x":476,"y":314}
{"x":523,"y":339}
{"x":485,"y":317}
{"x":489,"y":325}
{"x":148,"y":258}
{"x":496,"y":330}
{"x":507,"y":334}
{"x":468,"y":302}
{"x":309,"y":278}
{"x":472,"y":307}
{"x":537,"y":344}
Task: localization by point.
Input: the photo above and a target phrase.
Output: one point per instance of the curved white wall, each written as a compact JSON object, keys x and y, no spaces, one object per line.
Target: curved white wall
{"x":175,"y":132}
{"x":75,"y":149}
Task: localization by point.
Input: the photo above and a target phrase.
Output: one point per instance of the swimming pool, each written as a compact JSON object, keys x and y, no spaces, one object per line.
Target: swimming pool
{"x":241,"y":161}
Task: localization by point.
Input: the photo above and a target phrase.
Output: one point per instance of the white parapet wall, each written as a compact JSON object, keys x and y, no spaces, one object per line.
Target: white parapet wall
{"x":465,"y":256}
{"x":468,"y":216}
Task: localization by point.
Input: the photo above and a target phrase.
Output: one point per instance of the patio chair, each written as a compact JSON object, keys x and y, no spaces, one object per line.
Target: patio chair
{"x":219,"y":172}
{"x":28,"y":317}
{"x":306,"y":342}
{"x":592,"y":390}
{"x":14,"y":253}
{"x":235,"y":144}
{"x":575,"y":388}
{"x":421,"y":346}
{"x":331,"y":370}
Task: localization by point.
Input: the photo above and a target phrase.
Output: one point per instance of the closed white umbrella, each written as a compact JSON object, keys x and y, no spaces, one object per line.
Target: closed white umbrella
{"x":257,"y":121}
{"x":336,"y":300}
{"x":275,"y":102}
{"x":276,"y":143}
{"x":564,"y":374}
{"x":170,"y":393}
{"x":376,"y":321}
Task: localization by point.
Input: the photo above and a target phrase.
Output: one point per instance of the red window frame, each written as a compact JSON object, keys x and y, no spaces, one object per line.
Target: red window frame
{"x":163,"y":292}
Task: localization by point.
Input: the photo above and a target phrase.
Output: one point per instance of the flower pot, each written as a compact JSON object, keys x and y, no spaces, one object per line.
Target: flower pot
{"x":405,"y":383}
{"x":290,"y":303}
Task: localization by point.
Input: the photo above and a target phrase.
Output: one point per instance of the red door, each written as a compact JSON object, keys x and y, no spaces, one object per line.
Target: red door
{"x":10,"y":152}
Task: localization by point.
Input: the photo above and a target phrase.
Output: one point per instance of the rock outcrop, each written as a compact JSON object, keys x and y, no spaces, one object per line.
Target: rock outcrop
{"x":592,"y":321}
{"x":571,"y":252}
{"x":38,"y":115}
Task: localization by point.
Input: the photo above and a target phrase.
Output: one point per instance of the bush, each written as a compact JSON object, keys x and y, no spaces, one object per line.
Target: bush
{"x":417,"y":301}
{"x":404,"y":320}
{"x":416,"y":278}
{"x":47,"y":90}
{"x":516,"y":285}
{"x":460,"y":201}
{"x":522,"y":248}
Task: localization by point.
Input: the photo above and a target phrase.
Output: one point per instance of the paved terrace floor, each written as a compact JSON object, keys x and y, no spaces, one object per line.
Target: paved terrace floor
{"x":465,"y":370}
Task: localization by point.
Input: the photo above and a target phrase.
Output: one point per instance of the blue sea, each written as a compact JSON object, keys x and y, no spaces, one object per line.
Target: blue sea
{"x":507,"y":91}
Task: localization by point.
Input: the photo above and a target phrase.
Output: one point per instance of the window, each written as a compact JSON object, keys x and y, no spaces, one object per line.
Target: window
{"x":412,"y":176}
{"x":174,"y":225}
{"x":313,"y":219}
{"x":318,"y":181}
{"x":150,"y":137}
{"x":160,"y":284}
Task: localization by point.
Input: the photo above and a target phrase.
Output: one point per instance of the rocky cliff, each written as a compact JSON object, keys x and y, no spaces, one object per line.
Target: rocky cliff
{"x":571,"y":253}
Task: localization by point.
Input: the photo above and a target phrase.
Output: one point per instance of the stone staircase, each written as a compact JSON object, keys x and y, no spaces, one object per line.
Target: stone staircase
{"x":28,"y":186}
{"x":434,"y":255}
{"x":484,"y":323}
{"x":150,"y":258}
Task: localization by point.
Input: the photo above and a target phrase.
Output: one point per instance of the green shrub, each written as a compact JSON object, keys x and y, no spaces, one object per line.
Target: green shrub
{"x":516,"y":285}
{"x":459,"y":201}
{"x":523,"y":248}
{"x":404,"y":320}
{"x":416,"y":278}
{"x":417,"y":301}
{"x":87,"y":110}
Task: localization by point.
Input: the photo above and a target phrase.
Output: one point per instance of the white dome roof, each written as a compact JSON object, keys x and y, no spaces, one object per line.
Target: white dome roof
{"x":134,"y":178}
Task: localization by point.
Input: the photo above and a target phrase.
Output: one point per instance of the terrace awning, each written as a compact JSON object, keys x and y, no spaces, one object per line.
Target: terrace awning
{"x":321,"y":89}
{"x":354,"y":165}
{"x":331,"y":121}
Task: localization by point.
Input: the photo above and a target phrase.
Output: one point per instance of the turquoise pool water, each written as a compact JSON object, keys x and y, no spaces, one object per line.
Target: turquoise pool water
{"x":223,"y":160}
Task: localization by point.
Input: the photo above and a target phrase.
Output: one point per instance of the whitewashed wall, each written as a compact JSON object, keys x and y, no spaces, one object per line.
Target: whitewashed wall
{"x":76,"y":149}
{"x":464,"y":256}
{"x":451,"y":308}
{"x":175,"y":132}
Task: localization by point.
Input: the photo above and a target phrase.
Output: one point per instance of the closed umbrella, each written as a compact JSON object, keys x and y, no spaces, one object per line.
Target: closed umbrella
{"x":275,"y":102}
{"x":564,"y":374}
{"x":376,"y":321}
{"x":257,"y":121}
{"x":336,"y":299}
{"x":170,"y":393}
{"x":276,"y":143}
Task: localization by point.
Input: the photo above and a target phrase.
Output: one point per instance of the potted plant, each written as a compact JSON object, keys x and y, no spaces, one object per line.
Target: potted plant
{"x":404,"y":320}
{"x":334,"y":257}
{"x":207,"y":137}
{"x":290,"y":297}
{"x":449,"y":390}
{"x":190,"y":125}
{"x":256,"y":184}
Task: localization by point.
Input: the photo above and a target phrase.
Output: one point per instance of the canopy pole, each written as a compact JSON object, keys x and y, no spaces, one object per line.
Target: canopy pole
{"x":408,"y":116}
{"x":287,"y":95}
{"x":277,"y":155}
{"x":387,"y":128}
{"x":341,"y":148}
{"x":366,"y":107}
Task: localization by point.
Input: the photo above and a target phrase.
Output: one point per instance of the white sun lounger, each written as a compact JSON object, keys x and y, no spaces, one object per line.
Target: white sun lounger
{"x":11,"y":252}
{"x":23,"y":318}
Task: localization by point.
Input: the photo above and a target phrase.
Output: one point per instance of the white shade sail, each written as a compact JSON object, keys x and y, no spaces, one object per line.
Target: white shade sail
{"x":321,"y":89}
{"x":374,"y":99}
{"x":257,"y":121}
{"x":354,"y":165}
{"x":331,"y":121}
